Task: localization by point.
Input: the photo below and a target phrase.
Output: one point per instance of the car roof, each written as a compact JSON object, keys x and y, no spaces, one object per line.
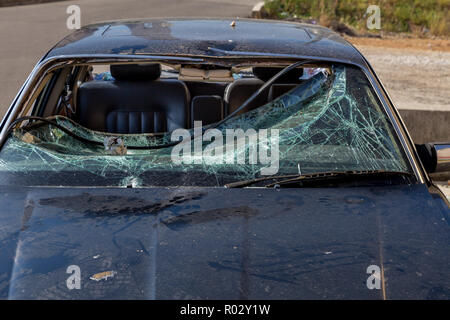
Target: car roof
{"x":208,"y":37}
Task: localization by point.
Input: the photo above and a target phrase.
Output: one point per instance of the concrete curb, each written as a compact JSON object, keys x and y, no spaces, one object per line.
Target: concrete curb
{"x":258,"y":11}
{"x":445,"y":188}
{"x":427,"y":125}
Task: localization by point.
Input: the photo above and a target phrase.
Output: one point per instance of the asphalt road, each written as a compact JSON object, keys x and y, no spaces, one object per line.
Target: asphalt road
{"x":28,"y":32}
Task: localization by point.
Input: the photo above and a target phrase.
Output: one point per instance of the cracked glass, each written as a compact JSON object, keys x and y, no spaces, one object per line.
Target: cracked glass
{"x":330,"y":122}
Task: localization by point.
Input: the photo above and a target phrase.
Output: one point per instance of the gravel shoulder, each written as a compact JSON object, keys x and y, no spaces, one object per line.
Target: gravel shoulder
{"x":416,"y":72}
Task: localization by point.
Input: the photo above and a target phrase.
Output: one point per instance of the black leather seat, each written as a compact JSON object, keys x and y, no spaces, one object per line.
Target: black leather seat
{"x":207,"y":109}
{"x":198,"y":88}
{"x":137,"y":101}
{"x":240,"y":90}
{"x":278,"y":89}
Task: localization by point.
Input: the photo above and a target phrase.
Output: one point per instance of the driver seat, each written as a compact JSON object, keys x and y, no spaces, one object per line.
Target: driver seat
{"x":137,"y":101}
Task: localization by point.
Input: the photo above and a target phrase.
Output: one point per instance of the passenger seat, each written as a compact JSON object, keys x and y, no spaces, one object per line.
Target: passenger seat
{"x":240,"y":90}
{"x":137,"y":101}
{"x":207,"y":109}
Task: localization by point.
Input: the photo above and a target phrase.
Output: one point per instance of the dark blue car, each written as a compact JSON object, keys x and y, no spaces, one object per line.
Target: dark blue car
{"x":211,"y":159}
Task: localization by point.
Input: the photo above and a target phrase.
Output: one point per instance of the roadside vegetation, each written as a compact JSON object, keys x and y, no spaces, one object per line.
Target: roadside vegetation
{"x":420,"y":17}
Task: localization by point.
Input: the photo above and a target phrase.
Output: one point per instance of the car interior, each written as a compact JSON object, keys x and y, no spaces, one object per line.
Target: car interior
{"x":80,"y":115}
{"x":155,"y":98}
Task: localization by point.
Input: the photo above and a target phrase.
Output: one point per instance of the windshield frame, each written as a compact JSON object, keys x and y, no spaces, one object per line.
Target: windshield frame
{"x":47,"y":65}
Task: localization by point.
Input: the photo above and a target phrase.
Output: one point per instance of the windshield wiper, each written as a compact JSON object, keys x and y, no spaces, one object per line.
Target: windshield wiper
{"x":322,"y":178}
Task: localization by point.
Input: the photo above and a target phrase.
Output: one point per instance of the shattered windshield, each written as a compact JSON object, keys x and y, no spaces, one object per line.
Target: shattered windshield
{"x":330,"y":122}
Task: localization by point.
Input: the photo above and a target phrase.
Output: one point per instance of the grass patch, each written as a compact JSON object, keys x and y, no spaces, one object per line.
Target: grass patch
{"x":415,"y":16}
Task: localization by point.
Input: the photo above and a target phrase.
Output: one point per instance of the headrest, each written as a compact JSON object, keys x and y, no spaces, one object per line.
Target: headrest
{"x":265,"y":73}
{"x":136,"y":72}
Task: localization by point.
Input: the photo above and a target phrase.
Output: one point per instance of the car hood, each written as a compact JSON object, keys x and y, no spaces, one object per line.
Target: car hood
{"x":216,"y":243}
